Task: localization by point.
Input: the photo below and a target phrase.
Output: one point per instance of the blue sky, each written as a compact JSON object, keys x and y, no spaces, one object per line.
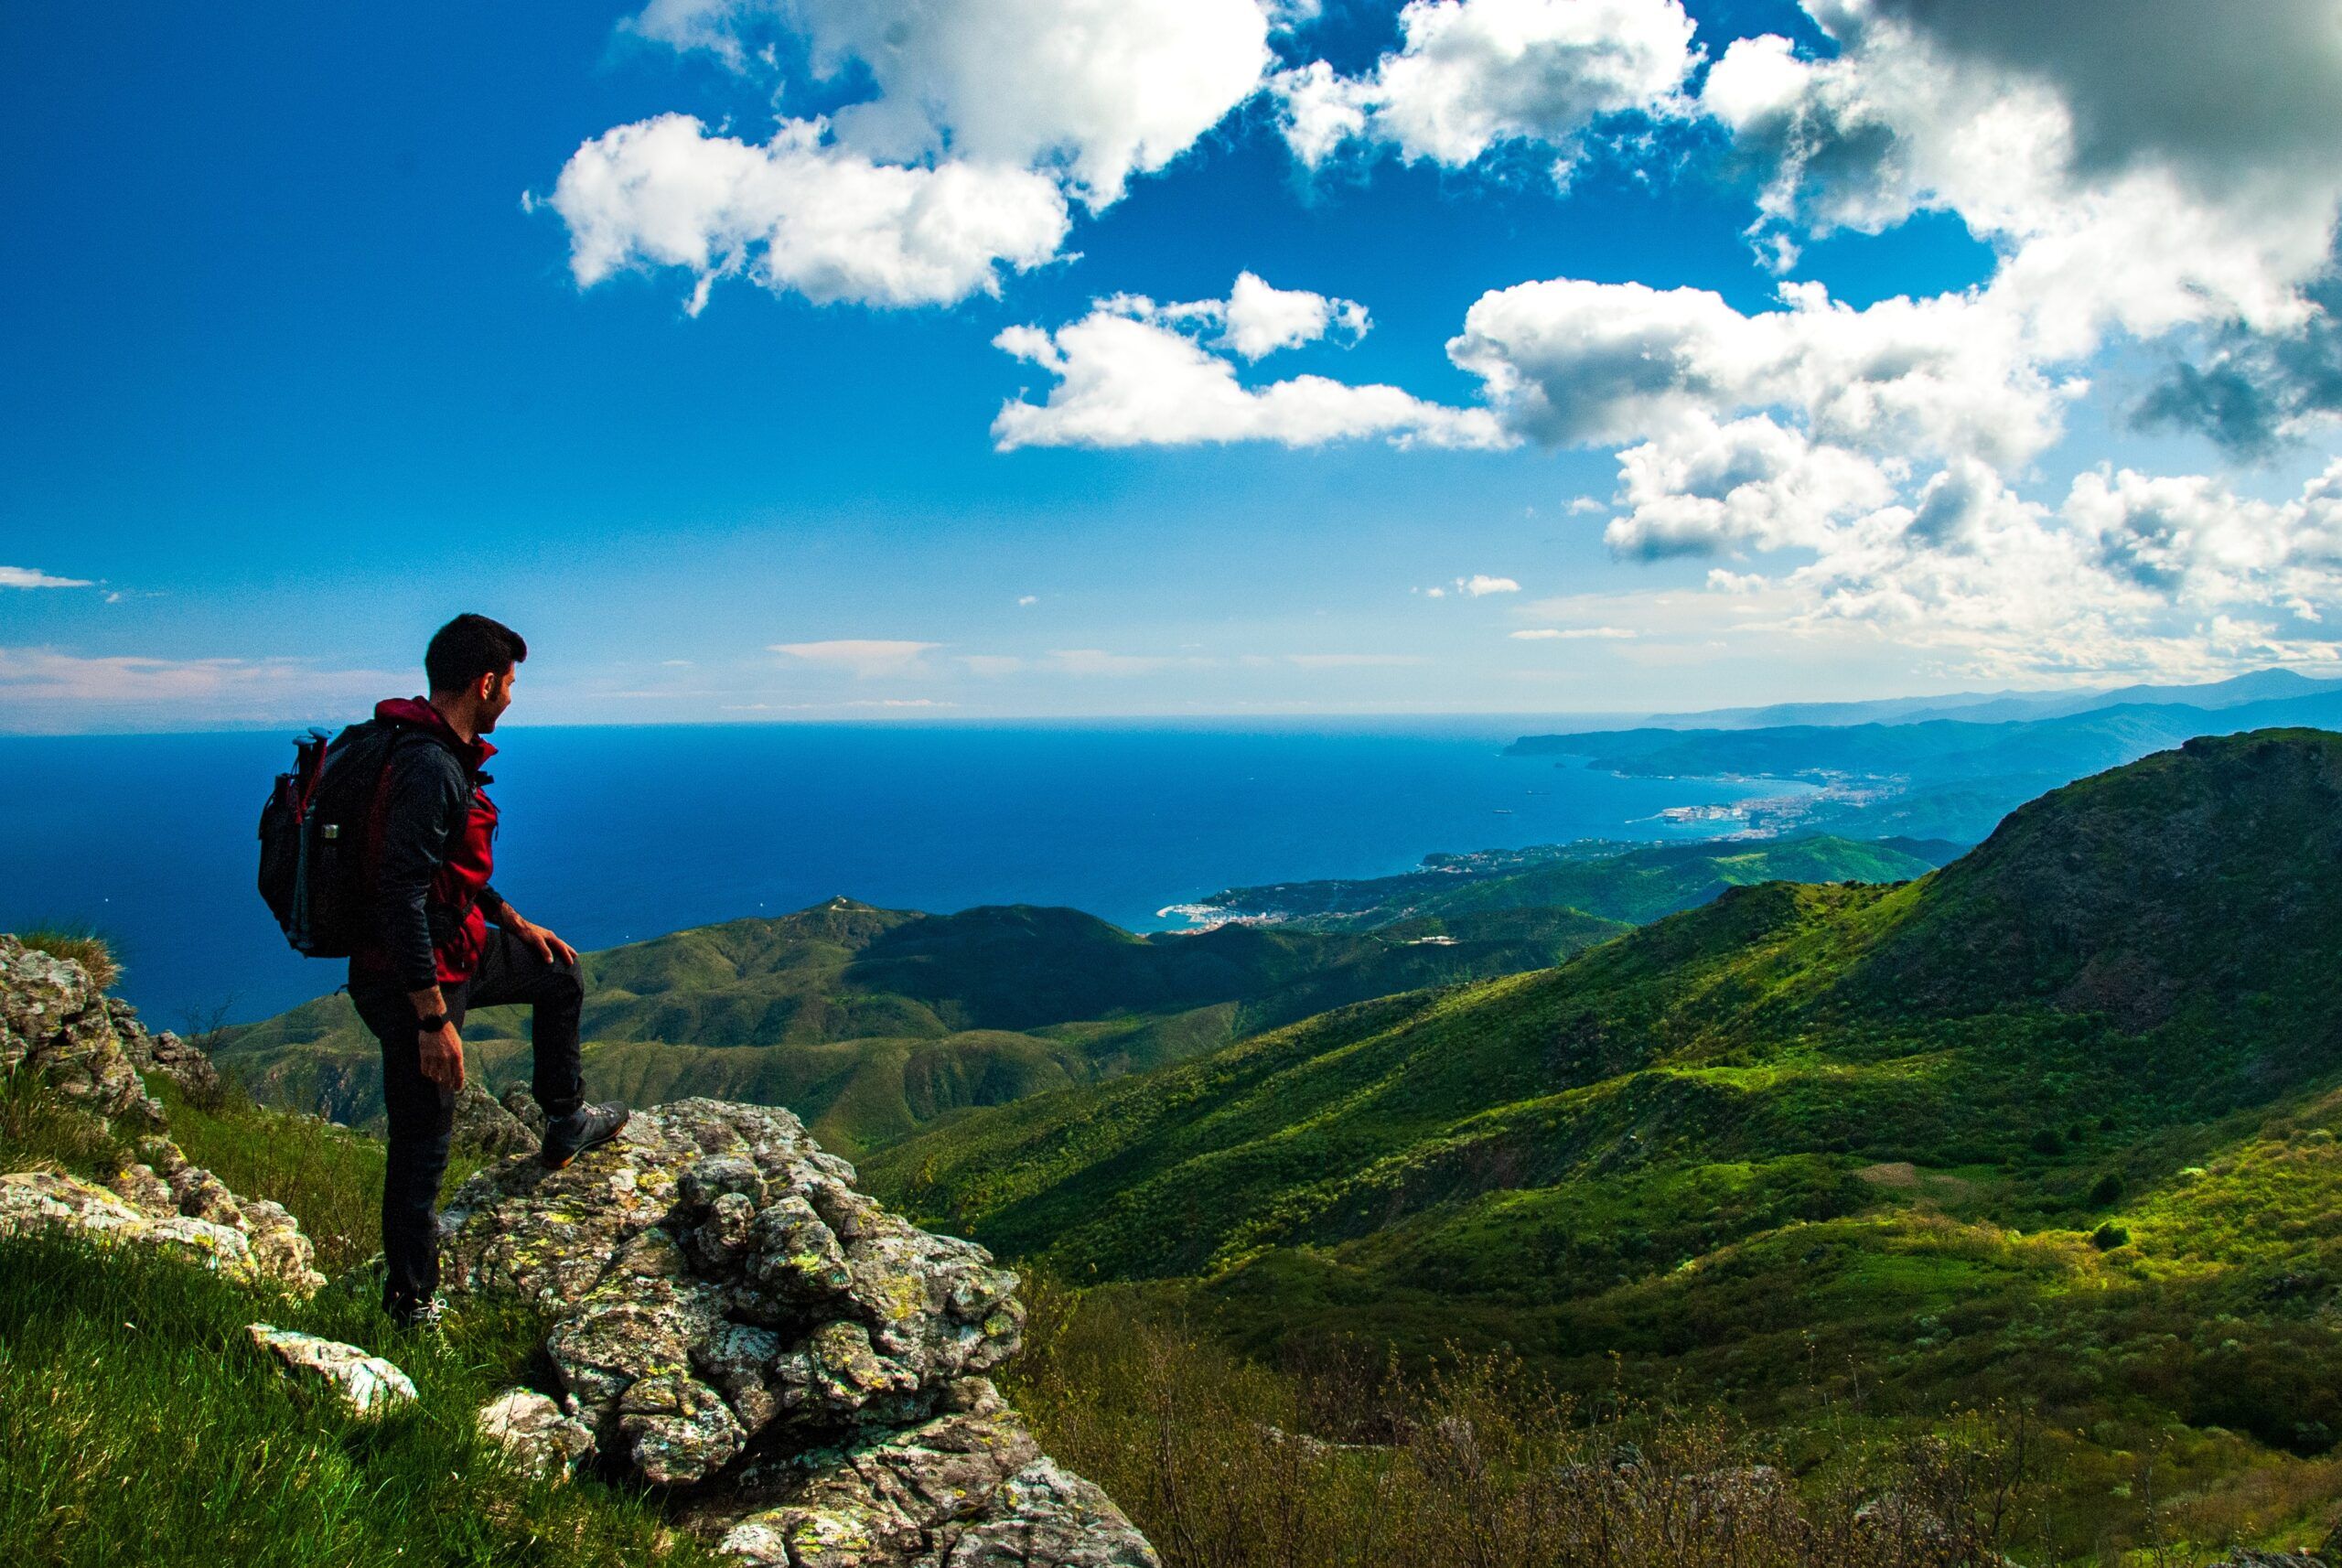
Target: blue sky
{"x":309,"y":349}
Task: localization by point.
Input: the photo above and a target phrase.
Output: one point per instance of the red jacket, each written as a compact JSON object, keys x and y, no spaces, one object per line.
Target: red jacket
{"x":434,"y":841}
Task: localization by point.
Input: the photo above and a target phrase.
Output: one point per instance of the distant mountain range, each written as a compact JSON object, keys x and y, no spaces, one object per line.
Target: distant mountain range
{"x":1924,"y":776}
{"x":2056,"y":1123}
{"x":1995,"y":707}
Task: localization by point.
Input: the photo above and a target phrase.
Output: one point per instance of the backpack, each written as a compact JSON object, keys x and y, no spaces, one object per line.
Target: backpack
{"x":316,"y":836}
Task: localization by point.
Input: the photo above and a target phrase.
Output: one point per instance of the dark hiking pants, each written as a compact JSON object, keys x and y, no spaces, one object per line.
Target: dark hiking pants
{"x":422,"y":1114}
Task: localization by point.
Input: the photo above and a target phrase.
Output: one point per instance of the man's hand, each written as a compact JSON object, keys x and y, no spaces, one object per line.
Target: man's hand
{"x":550,"y":948}
{"x":441,"y":1051}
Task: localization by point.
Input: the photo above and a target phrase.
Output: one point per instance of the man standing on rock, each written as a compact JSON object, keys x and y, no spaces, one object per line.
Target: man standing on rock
{"x":431,"y":955}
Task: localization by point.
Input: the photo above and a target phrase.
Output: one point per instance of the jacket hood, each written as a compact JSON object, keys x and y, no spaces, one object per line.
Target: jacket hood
{"x":418,"y":710}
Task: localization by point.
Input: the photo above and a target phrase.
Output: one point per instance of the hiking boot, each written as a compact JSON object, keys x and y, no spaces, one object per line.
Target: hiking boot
{"x":588,"y":1127}
{"x":418,"y":1316}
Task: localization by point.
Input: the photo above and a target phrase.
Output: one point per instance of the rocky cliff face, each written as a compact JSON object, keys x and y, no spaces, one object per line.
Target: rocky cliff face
{"x":89,"y":1049}
{"x":734,"y":1321}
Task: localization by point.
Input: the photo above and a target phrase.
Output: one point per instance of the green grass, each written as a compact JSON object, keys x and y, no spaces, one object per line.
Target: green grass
{"x":327,"y":1177}
{"x":138,"y":1424}
{"x":41,"y":1129}
{"x":83,"y":943}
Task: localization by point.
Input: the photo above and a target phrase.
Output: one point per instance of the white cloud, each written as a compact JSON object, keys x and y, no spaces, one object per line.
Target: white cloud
{"x":1479,"y":583}
{"x":1260,"y":319}
{"x":1704,"y":488}
{"x":1571,"y":362}
{"x":864,"y":657}
{"x":1471,"y":74}
{"x":29,"y":578}
{"x":1130,"y":374}
{"x":2142,"y":166}
{"x":1023,"y":600}
{"x":800,"y":214}
{"x":1574,"y":633}
{"x":1092,"y":90}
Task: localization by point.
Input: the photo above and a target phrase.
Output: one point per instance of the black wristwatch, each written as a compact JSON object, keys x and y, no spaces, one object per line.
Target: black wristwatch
{"x":431,"y":1024}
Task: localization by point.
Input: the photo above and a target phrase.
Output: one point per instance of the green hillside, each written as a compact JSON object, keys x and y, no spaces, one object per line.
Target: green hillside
{"x":869,"y":1022}
{"x":1636,"y":884}
{"x":2057,"y":1123}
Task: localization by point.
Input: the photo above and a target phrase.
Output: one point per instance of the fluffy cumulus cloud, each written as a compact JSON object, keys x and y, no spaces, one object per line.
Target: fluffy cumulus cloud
{"x":1258,"y":320}
{"x":1471,"y":74}
{"x":800,"y":213}
{"x":1135,"y":373}
{"x":1572,"y":362}
{"x":1094,"y":89}
{"x":2143,"y":165}
{"x":2129,"y":572}
{"x":984,"y":119}
{"x":1706,"y":488}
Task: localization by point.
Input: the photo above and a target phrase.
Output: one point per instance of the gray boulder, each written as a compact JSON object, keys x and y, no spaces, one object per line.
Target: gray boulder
{"x":732,"y":1320}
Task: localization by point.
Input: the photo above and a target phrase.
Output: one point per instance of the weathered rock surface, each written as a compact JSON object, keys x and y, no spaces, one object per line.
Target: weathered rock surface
{"x":523,"y":1107}
{"x":89,"y":1049}
{"x":56,"y":1021}
{"x":182,"y":1061}
{"x":734,"y":1320}
{"x":32,"y":1202}
{"x":484,"y":1123}
{"x":531,"y":1429}
{"x":365,"y":1384}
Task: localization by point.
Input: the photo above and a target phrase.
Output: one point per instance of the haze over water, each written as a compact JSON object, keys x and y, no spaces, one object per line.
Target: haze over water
{"x":617,"y":834}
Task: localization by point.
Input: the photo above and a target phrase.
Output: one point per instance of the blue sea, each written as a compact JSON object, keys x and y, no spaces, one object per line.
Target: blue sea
{"x":614,"y":834}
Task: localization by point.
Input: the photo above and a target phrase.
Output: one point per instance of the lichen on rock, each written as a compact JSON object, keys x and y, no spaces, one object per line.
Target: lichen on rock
{"x":364,"y":1384}
{"x":531,"y":1429}
{"x":34,"y":1202}
{"x":732,"y":1320}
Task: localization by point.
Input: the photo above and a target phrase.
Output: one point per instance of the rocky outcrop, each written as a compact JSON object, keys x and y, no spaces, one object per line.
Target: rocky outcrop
{"x":54,"y":1021}
{"x":183,"y":1062}
{"x":732,"y":1320}
{"x":89,"y":1049}
{"x":361,"y":1383}
{"x":33,"y":1202}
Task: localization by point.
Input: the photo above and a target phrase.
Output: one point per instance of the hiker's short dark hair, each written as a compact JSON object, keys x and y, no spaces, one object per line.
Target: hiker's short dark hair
{"x":469,"y":646}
